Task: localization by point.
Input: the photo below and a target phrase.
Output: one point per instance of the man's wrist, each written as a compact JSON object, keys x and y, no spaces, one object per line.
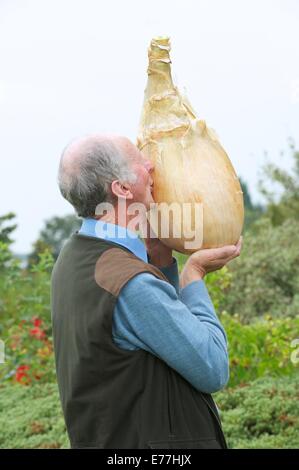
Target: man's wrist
{"x":190,"y":274}
{"x":161,"y":261}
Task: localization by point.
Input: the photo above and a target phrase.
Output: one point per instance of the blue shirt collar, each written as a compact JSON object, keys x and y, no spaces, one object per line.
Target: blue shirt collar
{"x":116,"y":234}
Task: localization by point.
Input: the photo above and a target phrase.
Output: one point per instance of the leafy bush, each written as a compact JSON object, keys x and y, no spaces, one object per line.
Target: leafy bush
{"x":264,"y":414}
{"x":265,"y":278}
{"x":31,"y":417}
{"x":262,"y":348}
{"x":25,"y":319}
{"x":217,"y":283}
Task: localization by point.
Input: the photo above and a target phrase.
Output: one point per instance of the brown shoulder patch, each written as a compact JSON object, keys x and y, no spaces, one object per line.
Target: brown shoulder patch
{"x":116,"y":267}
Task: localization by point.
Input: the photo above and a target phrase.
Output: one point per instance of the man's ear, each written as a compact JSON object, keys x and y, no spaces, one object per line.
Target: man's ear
{"x":122,"y":190}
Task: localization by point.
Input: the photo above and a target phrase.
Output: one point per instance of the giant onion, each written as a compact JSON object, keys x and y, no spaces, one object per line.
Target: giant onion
{"x":190,"y":165}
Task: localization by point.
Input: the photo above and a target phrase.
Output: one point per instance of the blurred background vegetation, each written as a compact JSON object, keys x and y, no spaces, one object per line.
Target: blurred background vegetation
{"x":256,"y":297}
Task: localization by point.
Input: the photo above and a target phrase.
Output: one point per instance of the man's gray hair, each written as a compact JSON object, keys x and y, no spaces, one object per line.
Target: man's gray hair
{"x":88,"y":182}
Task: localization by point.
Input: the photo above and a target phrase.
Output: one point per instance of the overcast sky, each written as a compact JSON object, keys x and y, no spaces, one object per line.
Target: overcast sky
{"x":69,"y":68}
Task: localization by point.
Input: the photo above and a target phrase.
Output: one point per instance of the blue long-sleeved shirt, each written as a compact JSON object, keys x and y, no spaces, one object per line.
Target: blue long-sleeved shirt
{"x":180,"y":326}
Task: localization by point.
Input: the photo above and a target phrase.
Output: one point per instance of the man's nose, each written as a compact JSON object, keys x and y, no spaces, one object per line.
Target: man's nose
{"x":149,"y":166}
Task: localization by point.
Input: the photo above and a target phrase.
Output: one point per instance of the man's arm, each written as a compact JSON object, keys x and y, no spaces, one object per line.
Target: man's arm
{"x":172,"y":273}
{"x":182,"y":331}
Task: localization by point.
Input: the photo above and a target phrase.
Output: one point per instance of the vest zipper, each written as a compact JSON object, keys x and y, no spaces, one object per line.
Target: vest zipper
{"x":218,"y":421}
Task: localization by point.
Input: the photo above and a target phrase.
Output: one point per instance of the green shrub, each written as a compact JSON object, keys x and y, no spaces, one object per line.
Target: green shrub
{"x":264,"y":414}
{"x":261,"y":348}
{"x":25,"y":319}
{"x":265,"y":278}
{"x":31,"y":417}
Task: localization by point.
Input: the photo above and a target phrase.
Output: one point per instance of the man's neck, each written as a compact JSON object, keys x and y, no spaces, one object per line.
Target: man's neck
{"x":109,"y":217}
{"x":120,"y":215}
{"x":112,"y":218}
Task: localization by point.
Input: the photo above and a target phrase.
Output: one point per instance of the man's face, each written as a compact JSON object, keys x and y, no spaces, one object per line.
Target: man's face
{"x":143,"y":168}
{"x":143,"y":188}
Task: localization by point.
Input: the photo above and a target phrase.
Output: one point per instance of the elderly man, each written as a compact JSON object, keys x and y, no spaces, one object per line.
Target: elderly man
{"x":138,"y":348}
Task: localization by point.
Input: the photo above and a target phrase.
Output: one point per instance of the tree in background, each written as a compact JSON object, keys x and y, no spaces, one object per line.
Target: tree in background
{"x":39,"y":246}
{"x":55,"y":232}
{"x":287,"y":207}
{"x":6,"y":228}
{"x":7,"y":260}
{"x":252,"y":211}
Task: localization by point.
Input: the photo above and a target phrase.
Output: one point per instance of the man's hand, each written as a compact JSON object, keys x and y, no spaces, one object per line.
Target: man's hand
{"x":205,"y":261}
{"x":160,"y":255}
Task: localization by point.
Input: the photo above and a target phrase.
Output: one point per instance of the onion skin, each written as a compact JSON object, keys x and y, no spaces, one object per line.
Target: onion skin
{"x":190,"y":164}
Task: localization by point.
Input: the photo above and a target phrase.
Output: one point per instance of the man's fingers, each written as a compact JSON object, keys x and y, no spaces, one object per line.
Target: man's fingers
{"x":239,"y":244}
{"x":228,"y":251}
{"x":221,"y":256}
{"x":213,"y":259}
{"x":223,"y":253}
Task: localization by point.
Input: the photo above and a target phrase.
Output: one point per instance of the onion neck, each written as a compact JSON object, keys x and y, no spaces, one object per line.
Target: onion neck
{"x":159,"y":72}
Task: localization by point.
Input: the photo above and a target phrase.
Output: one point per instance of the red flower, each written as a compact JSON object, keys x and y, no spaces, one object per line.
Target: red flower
{"x":21,"y":375}
{"x":37,"y":332}
{"x":37,"y":322}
